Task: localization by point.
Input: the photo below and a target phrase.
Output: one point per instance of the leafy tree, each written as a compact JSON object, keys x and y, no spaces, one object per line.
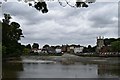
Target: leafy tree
{"x":26,"y":51}
{"x":109,"y":41}
{"x":40,"y":6}
{"x":35,"y":45}
{"x":89,"y":47}
{"x":11,"y":34}
{"x":28,"y":46}
{"x":85,"y":49}
{"x":3,"y":50}
{"x":46,"y":46}
{"x":115,"y":46}
{"x":7,"y":18}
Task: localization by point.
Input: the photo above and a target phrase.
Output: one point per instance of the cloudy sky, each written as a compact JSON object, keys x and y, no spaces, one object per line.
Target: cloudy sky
{"x":65,"y":25}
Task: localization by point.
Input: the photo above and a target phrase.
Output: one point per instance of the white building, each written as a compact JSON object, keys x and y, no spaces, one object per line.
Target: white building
{"x":72,"y":47}
{"x":58,"y":50}
{"x":36,"y":50}
{"x":78,"y":49}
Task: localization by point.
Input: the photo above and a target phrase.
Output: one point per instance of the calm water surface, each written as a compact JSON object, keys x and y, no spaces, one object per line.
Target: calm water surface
{"x":59,"y":70}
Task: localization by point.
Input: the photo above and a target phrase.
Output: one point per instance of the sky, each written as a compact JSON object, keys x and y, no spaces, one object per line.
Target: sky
{"x":65,"y":25}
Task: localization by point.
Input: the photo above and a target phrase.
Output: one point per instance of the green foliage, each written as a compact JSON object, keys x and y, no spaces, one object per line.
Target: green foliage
{"x":115,"y":46}
{"x":109,"y":41}
{"x":28,"y":46}
{"x":46,"y":46}
{"x":35,"y":45}
{"x":11,"y":33}
{"x":89,"y":49}
{"x":26,"y":51}
{"x":4,"y":50}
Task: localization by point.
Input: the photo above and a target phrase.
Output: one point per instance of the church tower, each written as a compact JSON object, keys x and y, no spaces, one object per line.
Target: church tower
{"x":100,"y":43}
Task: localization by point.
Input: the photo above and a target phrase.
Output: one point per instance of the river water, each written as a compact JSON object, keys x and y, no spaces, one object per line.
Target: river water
{"x":98,"y":68}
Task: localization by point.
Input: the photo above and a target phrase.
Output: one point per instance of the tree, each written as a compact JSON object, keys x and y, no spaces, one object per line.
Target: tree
{"x":40,"y":6}
{"x":46,"y":46}
{"x":11,"y":34}
{"x":109,"y":41}
{"x":89,"y":47}
{"x":15,"y":32}
{"x":35,"y":45}
{"x":3,"y":50}
{"x":115,"y":46}
{"x":28,"y":46}
{"x":7,"y":18}
{"x":26,"y":51}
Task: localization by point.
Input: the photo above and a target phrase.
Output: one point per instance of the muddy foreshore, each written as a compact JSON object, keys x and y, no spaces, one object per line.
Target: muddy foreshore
{"x":66,"y":59}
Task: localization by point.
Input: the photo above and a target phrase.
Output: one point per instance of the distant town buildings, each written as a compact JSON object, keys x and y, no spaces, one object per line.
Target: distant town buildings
{"x":103,"y":46}
{"x":59,"y":49}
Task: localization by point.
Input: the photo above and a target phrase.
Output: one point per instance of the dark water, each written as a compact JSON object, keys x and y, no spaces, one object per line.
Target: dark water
{"x":59,"y":70}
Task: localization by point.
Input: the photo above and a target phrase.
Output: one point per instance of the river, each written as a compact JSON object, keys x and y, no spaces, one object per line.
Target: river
{"x":63,"y":68}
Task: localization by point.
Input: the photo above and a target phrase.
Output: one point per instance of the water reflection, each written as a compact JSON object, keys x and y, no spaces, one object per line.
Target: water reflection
{"x":58,"y":70}
{"x":110,"y":70}
{"x":10,"y":70}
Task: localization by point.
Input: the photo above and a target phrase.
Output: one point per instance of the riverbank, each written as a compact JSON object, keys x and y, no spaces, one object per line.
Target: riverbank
{"x":91,"y":54}
{"x":65,"y":59}
{"x":107,"y":54}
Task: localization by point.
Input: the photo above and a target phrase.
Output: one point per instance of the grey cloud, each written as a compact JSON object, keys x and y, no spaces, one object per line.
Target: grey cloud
{"x":23,"y":11}
{"x":119,"y":19}
{"x":103,"y":16}
{"x":17,"y":9}
{"x":65,"y":25}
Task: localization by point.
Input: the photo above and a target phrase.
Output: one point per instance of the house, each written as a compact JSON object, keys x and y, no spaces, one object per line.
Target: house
{"x":51,"y":50}
{"x":64,"y":48}
{"x":44,"y":51}
{"x":78,"y":49}
{"x":68,"y":49}
{"x":72,"y":47}
{"x":105,"y":49}
{"x":58,"y":50}
{"x":75,"y":48}
{"x":35,"y":50}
